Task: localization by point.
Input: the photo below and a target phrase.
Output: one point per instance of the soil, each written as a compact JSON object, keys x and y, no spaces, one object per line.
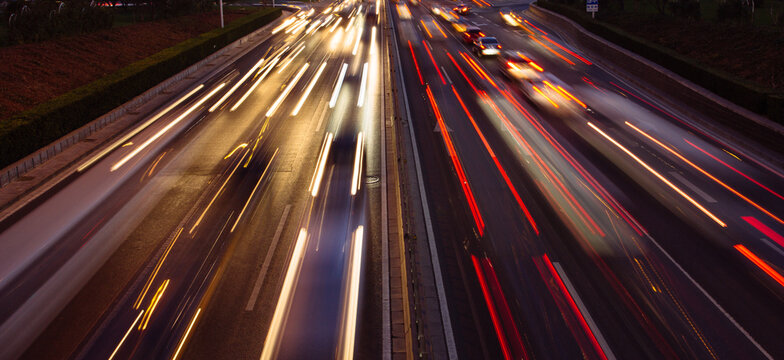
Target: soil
{"x":753,"y":54}
{"x":31,"y":74}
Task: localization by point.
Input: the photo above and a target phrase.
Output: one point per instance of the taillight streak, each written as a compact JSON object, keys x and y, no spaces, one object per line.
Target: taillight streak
{"x":480,"y":224}
{"x":416,"y":64}
{"x":434,"y":62}
{"x":497,"y":164}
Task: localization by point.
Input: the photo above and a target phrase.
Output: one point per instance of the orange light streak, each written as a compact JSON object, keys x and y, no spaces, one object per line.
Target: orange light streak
{"x":416,"y":64}
{"x":426,"y":29}
{"x":760,"y":263}
{"x":570,"y":62}
{"x":434,"y":62}
{"x":567,"y":50}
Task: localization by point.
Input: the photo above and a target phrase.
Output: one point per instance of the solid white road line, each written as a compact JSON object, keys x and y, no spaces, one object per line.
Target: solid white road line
{"x":584,"y":310}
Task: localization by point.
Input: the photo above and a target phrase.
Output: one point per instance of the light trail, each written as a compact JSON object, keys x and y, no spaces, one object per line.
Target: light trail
{"x":308,"y":89}
{"x":426,"y":29}
{"x":373,"y":41}
{"x":439,"y":29}
{"x":147,"y":285}
{"x":165,"y":129}
{"x":362,"y":86}
{"x":322,"y":163}
{"x":760,"y":264}
{"x":416,"y":64}
{"x":356,"y":43}
{"x":244,"y":207}
{"x":336,"y":24}
{"x":237,"y":85}
{"x":568,"y":51}
{"x":434,"y":62}
{"x":283,"y":25}
{"x":355,"y":183}
{"x":659,"y":176}
{"x":187,"y":332}
{"x":281,"y":309}
{"x":706,"y":173}
{"x":201,"y":217}
{"x":122,"y":141}
{"x":240,"y":146}
{"x":355,"y":271}
{"x":153,"y":304}
{"x":770,"y":233}
{"x":286,"y":91}
{"x":126,"y":335}
{"x":570,"y":62}
{"x":255,"y":84}
{"x":338,"y":85}
{"x":291,"y":58}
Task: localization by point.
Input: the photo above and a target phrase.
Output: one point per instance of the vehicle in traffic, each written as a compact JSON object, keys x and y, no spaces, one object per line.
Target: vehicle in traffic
{"x":462,"y":9}
{"x":517,"y":66}
{"x":460,"y":25}
{"x":471,"y":34}
{"x":548,"y":92}
{"x":487,"y":46}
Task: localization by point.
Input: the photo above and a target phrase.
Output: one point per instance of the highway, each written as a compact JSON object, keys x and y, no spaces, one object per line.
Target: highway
{"x":600,"y":224}
{"x":237,"y":215}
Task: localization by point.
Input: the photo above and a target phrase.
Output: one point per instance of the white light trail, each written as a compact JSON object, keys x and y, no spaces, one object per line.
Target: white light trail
{"x":135,"y":131}
{"x":291,"y":58}
{"x":287,"y":90}
{"x":336,"y":24}
{"x":244,"y":207}
{"x":373,"y":41}
{"x":281,"y":309}
{"x":349,"y":332}
{"x":165,"y":129}
{"x":362,"y":86}
{"x":258,"y":81}
{"x":356,"y":43}
{"x":308,"y":90}
{"x":322,"y":163}
{"x":126,"y":335}
{"x":283,"y":25}
{"x":336,"y":92}
{"x":233,"y":88}
{"x":355,"y":183}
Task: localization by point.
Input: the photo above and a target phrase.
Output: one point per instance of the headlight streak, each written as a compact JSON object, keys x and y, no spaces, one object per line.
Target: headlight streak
{"x":336,"y":24}
{"x":122,"y":141}
{"x":237,"y":85}
{"x":362,"y":86}
{"x":153,"y":304}
{"x":255,"y":84}
{"x":240,"y":146}
{"x":659,"y":176}
{"x":126,"y":335}
{"x":166,"y":128}
{"x":704,"y":172}
{"x":244,"y":207}
{"x":313,"y":27}
{"x":283,"y":25}
{"x":355,"y":180}
{"x":309,"y":89}
{"x":320,"y":165}
{"x":187,"y":332}
{"x":287,"y":90}
{"x":356,"y":43}
{"x":149,"y":282}
{"x":373,"y":41}
{"x":291,"y":58}
{"x":352,"y":307}
{"x":201,"y":217}
{"x":333,"y":100}
{"x":281,"y":309}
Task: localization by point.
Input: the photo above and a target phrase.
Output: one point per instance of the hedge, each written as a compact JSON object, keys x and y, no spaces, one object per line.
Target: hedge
{"x":744,"y":93}
{"x":26,"y":132}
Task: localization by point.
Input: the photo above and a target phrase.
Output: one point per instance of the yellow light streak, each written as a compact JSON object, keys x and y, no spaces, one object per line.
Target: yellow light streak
{"x":255,"y":84}
{"x":240,"y":146}
{"x":139,"y":300}
{"x":357,"y":165}
{"x":187,"y":332}
{"x":349,"y":332}
{"x":244,"y":207}
{"x":316,"y":182}
{"x":338,"y":85}
{"x":153,"y":304}
{"x":237,"y":85}
{"x":126,"y":335}
{"x":217,"y":194}
{"x":362,"y":86}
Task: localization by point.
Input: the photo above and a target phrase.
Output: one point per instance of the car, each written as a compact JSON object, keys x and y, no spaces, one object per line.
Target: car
{"x":487,"y":45}
{"x":472,"y":33}
{"x":518,"y":66}
{"x":462,"y":9}
{"x":550,"y":93}
{"x":460,"y":25}
{"x":512,"y":19}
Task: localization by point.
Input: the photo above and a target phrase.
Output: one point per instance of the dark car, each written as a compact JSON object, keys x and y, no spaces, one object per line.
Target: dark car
{"x":462,"y":9}
{"x":485,"y":46}
{"x":472,"y":33}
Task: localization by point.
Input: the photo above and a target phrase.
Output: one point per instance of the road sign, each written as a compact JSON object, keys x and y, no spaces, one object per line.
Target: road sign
{"x":592,"y":6}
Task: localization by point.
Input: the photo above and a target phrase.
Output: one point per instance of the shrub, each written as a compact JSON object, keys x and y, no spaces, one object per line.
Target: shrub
{"x":26,"y":132}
